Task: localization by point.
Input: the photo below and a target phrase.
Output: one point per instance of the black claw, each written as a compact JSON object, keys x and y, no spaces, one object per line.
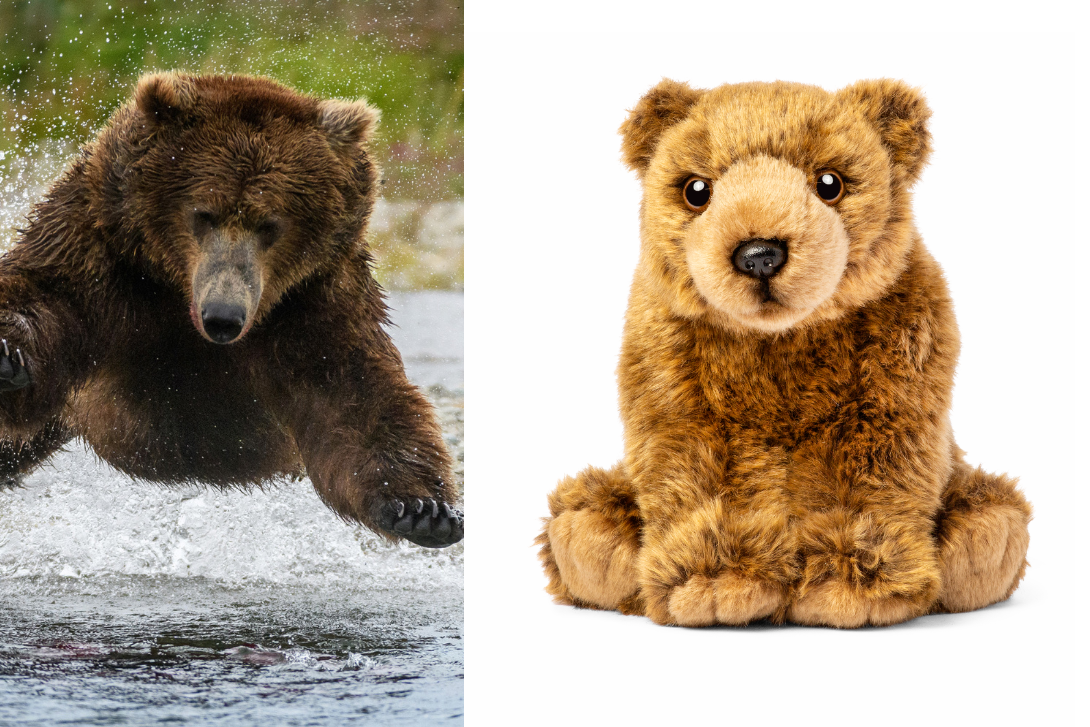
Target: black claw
{"x":434,"y":508}
{"x":13,"y":370}
{"x":400,"y":508}
{"x":419,"y":506}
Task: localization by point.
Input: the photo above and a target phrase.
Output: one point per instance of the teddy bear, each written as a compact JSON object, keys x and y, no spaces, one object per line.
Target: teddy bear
{"x":785,"y":380}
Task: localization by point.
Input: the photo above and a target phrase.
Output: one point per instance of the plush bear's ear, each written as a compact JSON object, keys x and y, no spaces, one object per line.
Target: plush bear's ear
{"x":663,"y":106}
{"x":900,"y":114}
{"x":348,"y":123}
{"x":163,"y":95}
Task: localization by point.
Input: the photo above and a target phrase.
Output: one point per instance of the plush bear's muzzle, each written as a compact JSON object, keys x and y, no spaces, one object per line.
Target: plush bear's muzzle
{"x":767,"y":251}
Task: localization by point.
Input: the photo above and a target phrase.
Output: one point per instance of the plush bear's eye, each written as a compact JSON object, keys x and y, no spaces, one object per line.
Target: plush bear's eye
{"x":830,"y":187}
{"x":697,"y":193}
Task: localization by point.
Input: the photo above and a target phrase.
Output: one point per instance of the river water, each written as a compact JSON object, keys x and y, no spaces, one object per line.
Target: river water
{"x":122,"y":602}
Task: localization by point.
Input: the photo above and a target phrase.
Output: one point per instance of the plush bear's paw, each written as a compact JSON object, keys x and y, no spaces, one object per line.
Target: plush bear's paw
{"x":13,"y":370}
{"x":983,"y":557}
{"x":864,"y":586}
{"x":595,"y":559}
{"x":860,"y":569}
{"x":430,"y":523}
{"x":728,"y":598}
{"x":719,"y":565}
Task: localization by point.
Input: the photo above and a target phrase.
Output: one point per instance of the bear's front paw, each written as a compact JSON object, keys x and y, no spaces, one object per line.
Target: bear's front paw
{"x":430,"y":523}
{"x":13,"y":370}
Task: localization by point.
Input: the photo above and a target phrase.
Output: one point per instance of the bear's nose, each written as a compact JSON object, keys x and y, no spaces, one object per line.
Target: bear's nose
{"x":760,"y":258}
{"x":223,"y":321}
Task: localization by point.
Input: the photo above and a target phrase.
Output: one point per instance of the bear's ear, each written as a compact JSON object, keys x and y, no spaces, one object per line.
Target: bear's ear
{"x":663,"y":106}
{"x":348,"y":123}
{"x":900,"y":114}
{"x":163,"y":95}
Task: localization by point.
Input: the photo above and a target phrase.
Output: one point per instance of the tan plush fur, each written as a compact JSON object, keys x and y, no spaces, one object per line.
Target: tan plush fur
{"x":788,"y":451}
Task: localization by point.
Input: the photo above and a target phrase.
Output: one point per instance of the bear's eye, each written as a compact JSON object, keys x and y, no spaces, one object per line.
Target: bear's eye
{"x":269,"y":231}
{"x":697,"y":193}
{"x":203,"y":222}
{"x":830,"y":187}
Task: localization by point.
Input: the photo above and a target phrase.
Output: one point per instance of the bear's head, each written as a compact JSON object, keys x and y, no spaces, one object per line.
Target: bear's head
{"x":235,"y":189}
{"x":772,"y":205}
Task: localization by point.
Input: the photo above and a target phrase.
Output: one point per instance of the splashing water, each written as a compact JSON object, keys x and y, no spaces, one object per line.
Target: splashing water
{"x":123,"y":601}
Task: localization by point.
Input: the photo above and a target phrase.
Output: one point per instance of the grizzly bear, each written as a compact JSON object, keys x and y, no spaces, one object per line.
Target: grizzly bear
{"x":194,"y":299}
{"x":785,"y":380}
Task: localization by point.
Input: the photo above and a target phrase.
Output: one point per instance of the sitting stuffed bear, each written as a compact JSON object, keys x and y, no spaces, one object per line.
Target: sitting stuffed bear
{"x":785,"y":380}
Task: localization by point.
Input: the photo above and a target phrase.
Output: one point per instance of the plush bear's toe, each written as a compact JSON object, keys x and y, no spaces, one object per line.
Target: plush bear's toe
{"x":728,"y":598}
{"x":844,"y":605}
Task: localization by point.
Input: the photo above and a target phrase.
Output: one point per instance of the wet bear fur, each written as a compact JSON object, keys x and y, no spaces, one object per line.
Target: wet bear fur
{"x":788,"y":449}
{"x":194,"y":299}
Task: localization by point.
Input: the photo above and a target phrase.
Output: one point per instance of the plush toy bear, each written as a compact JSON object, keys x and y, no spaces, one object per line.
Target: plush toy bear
{"x":785,"y":380}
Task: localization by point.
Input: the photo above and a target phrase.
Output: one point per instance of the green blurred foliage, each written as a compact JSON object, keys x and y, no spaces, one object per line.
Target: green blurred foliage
{"x":66,"y":65}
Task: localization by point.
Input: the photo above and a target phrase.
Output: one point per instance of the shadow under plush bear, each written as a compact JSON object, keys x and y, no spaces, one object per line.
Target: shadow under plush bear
{"x":785,"y":380}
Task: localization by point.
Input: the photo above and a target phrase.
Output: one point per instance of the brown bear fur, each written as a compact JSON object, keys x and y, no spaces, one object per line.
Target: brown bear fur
{"x":788,"y":450}
{"x":239,"y":192}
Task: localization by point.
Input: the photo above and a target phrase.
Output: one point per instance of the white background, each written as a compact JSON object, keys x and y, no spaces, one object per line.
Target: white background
{"x":552,"y":240}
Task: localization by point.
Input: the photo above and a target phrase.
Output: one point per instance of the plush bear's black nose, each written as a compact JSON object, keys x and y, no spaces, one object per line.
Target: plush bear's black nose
{"x":223,"y":321}
{"x":760,"y":258}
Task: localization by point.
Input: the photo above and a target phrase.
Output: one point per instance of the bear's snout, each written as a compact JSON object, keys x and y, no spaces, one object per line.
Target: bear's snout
{"x":223,"y":322}
{"x":226,"y":287}
{"x":760,"y":258}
